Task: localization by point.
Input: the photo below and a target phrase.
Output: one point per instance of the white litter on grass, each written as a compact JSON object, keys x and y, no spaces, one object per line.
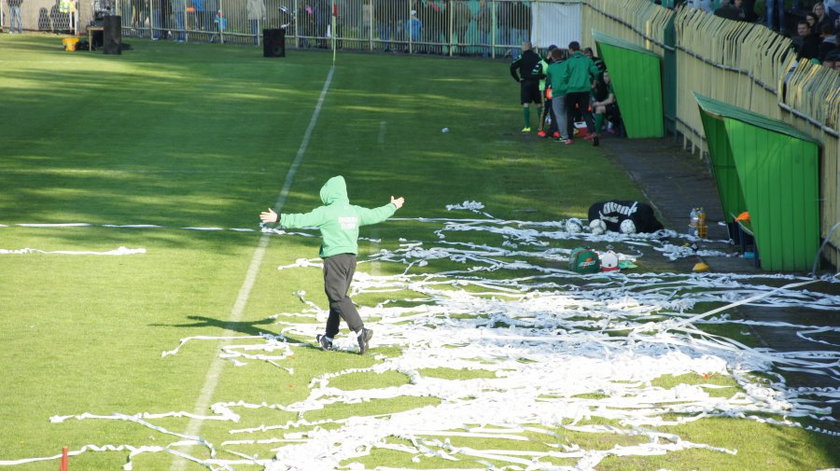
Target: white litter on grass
{"x":117,"y":251}
{"x":553,"y":352}
{"x":473,"y":206}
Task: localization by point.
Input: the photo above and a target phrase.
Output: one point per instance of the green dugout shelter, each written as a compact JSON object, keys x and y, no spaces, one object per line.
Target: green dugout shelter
{"x":636,"y":76}
{"x":771,"y":170}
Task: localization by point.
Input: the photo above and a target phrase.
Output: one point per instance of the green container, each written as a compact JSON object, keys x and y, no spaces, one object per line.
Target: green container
{"x":636,"y":75}
{"x":777,"y":169}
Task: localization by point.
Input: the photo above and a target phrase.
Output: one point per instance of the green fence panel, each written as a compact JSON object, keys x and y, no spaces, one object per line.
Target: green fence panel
{"x":636,"y":75}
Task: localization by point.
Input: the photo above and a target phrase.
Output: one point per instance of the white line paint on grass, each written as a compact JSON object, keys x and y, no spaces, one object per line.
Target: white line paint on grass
{"x":381,"y":138}
{"x":215,"y":370}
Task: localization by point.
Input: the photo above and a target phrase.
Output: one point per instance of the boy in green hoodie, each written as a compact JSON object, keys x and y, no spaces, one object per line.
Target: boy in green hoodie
{"x":339,"y":223}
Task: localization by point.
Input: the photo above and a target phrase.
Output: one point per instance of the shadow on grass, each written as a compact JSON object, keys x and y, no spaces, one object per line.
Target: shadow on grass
{"x":249,"y":328}
{"x":243,"y":327}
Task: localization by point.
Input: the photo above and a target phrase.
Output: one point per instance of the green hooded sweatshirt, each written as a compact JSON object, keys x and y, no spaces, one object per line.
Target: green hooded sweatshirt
{"x":338,"y":220}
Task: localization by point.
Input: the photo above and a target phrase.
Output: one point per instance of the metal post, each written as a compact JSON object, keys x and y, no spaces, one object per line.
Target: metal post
{"x":451,"y":27}
{"x":297,"y":27}
{"x":409,"y":28}
{"x":221,"y":20}
{"x":535,"y":4}
{"x":372,"y":22}
{"x":493,"y":5}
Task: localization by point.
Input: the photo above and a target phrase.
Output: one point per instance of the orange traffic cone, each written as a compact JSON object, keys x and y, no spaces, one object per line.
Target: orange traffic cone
{"x":64,"y":459}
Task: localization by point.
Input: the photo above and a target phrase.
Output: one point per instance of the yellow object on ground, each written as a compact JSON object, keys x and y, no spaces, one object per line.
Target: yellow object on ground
{"x":70,"y":43}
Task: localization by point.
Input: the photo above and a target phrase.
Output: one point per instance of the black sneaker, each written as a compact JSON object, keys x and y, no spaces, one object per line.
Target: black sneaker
{"x":364,"y":337}
{"x":324,"y":342}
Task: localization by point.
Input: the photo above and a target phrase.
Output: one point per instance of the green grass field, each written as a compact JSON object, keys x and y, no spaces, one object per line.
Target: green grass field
{"x":145,"y":147}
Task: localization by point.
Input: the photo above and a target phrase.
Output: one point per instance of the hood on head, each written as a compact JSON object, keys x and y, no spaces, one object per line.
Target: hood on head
{"x":334,"y":190}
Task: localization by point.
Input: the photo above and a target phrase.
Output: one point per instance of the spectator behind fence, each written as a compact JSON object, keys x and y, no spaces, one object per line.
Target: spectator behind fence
{"x":828,"y":41}
{"x":749,"y":10}
{"x":832,"y":8}
{"x":834,"y":59}
{"x":822,"y":16}
{"x":807,"y":45}
{"x":158,"y":7}
{"x":461,"y":18}
{"x":732,"y":11}
{"x":383,"y":28}
{"x":255,"y":11}
{"x":15,"y":19}
{"x":323,"y":15}
{"x":413,"y":27}
{"x":484,"y":23}
{"x":811,"y":19}
{"x":435,"y":18}
{"x":178,"y":12}
{"x":521,"y":21}
{"x":774,"y":15}
{"x":705,"y":5}
{"x":138,"y":14}
{"x":219,"y":25}
{"x":578,"y":72}
{"x":504,"y":18}
{"x":305,"y":22}
{"x":200,"y":9}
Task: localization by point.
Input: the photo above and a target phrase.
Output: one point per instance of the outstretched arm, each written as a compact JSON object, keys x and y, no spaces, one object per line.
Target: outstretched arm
{"x":269,"y":216}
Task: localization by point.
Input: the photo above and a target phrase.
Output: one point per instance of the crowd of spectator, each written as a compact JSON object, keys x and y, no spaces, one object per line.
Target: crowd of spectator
{"x":812,"y":24}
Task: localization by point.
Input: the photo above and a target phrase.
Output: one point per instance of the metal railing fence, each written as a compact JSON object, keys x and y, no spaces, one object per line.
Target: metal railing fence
{"x":449,"y":27}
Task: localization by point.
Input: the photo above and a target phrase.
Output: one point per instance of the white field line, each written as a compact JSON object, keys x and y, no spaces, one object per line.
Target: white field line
{"x":214,"y":372}
{"x":380,"y":139}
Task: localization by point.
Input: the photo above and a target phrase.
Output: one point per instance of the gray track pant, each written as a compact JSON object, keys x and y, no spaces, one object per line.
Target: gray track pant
{"x":338,"y":273}
{"x":558,"y":104}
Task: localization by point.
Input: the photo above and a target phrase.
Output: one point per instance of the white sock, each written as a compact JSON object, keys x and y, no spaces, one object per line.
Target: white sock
{"x":360,"y":332}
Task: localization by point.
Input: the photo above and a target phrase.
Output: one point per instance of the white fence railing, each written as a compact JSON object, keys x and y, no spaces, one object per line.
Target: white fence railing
{"x":450,"y":27}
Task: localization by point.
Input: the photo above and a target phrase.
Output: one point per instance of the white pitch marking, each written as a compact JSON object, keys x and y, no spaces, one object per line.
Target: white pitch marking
{"x":381,"y":138}
{"x":215,"y":370}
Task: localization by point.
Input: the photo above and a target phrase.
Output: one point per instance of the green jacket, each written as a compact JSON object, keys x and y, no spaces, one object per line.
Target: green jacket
{"x":578,"y":72}
{"x":554,"y":77}
{"x":338,"y":220}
